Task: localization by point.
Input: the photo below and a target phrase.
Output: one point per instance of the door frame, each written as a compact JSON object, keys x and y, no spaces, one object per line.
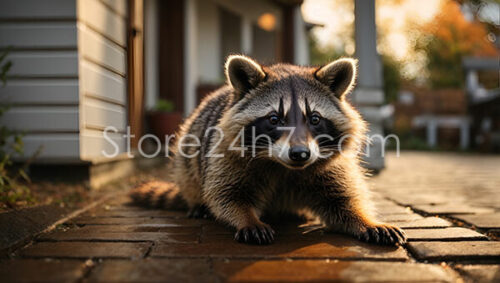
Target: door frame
{"x":135,"y":69}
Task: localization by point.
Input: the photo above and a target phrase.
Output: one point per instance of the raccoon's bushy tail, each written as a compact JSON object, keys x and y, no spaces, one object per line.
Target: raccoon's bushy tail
{"x":158,"y":194}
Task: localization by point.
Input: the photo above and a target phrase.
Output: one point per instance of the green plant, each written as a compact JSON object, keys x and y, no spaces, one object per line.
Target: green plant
{"x":4,"y":67}
{"x":392,"y":78}
{"x":164,"y":105}
{"x":12,"y":178}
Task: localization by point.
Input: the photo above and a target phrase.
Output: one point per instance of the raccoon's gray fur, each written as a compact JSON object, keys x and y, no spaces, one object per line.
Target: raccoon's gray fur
{"x":238,"y":187}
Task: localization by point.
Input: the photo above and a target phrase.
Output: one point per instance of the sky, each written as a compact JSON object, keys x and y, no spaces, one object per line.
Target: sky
{"x":394,"y":18}
{"x":396,"y":21}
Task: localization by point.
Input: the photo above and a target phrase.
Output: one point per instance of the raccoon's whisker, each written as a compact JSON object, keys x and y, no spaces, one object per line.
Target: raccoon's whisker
{"x":258,"y":147}
{"x":331,"y":146}
{"x":262,"y":143}
{"x":327,"y":147}
{"x":258,"y":156}
{"x":328,"y":144}
{"x":329,"y":141}
{"x":252,"y":157}
{"x":334,"y":138}
{"x":263,"y":147}
{"x":328,"y":150}
{"x":330,"y":138}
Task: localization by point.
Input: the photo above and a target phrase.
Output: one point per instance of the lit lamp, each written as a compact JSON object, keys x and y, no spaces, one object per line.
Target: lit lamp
{"x":267,"y":22}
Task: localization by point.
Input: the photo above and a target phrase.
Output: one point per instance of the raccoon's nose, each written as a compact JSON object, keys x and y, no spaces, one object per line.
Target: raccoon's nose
{"x":299,"y":153}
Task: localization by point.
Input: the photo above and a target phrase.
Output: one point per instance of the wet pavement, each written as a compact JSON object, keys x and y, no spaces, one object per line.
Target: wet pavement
{"x":448,"y":204}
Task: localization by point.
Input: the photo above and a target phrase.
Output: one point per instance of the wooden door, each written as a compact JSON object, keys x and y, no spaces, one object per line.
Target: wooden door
{"x":171,"y":51}
{"x":135,"y":54}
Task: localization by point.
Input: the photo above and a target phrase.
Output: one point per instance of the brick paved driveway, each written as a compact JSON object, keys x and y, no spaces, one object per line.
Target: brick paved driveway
{"x":448,"y":204}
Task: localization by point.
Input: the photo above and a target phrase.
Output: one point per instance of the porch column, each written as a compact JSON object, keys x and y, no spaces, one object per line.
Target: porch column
{"x":151,"y":34}
{"x":300,"y":41}
{"x":246,"y":36}
{"x":464,"y":134}
{"x":190,"y":55}
{"x":369,"y":95}
{"x":471,"y":81}
{"x":432,"y":132}
{"x":295,"y":44}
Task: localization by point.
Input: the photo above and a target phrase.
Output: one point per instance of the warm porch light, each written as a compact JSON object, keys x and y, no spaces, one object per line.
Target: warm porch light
{"x":267,"y":21}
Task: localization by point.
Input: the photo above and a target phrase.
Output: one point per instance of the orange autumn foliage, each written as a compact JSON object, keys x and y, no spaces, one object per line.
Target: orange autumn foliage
{"x":458,"y":34}
{"x":447,"y":40}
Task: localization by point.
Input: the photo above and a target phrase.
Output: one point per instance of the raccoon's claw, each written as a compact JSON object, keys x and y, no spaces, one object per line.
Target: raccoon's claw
{"x":384,"y":235}
{"x":199,"y":211}
{"x":259,"y":235}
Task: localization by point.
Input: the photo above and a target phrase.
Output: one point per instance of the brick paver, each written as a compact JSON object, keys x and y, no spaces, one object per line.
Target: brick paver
{"x":40,"y":270}
{"x":446,"y":234}
{"x":483,"y":221}
{"x":86,"y":250}
{"x":463,"y":250}
{"x":286,"y":246}
{"x":448,"y":204}
{"x":331,"y":270}
{"x":480,"y":273}
{"x":187,"y":230}
{"x":407,"y":217}
{"x":137,"y":221}
{"x":154,"y":270}
{"x":77,"y":235}
{"x":427,"y":222}
{"x":452,"y":208}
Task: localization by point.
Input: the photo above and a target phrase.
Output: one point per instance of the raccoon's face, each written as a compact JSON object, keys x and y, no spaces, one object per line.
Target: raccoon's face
{"x":292,"y":115}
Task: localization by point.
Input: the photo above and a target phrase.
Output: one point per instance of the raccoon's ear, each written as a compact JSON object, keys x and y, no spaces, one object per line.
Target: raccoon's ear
{"x":339,"y":76}
{"x":243,"y":73}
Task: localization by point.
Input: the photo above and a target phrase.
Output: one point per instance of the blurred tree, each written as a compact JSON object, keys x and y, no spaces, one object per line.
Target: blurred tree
{"x":392,"y":78}
{"x":391,"y":67}
{"x":447,"y":40}
{"x":321,"y":55}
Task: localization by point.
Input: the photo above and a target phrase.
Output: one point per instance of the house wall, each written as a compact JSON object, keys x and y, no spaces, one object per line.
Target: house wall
{"x":42,"y":88}
{"x":252,"y":10}
{"x":208,"y":33}
{"x":209,"y":53}
{"x":102,"y":41}
{"x":67,"y":82}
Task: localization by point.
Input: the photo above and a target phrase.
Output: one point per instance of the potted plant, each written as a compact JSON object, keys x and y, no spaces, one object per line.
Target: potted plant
{"x":163,"y":119}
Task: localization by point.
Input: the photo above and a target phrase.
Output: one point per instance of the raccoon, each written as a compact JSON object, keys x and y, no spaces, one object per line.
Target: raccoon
{"x":275,"y":139}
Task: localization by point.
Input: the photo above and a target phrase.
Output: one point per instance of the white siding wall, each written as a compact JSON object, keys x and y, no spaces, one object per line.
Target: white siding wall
{"x":67,"y":82}
{"x":42,"y":87}
{"x":102,"y":29}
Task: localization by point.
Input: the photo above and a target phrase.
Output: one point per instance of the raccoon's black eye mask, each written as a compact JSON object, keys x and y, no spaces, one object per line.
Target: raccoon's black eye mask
{"x":263,"y":130}
{"x":266,"y":126}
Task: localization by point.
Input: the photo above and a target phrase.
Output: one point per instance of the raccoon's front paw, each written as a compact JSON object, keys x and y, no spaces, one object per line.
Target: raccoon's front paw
{"x":383,"y":234}
{"x":261,"y":234}
{"x":199,"y":211}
